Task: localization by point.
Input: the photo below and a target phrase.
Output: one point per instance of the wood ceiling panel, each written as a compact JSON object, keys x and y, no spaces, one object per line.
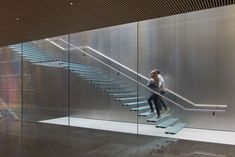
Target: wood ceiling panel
{"x":46,"y":18}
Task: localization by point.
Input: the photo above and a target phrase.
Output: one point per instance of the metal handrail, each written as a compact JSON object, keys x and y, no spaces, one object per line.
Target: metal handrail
{"x":182,"y":107}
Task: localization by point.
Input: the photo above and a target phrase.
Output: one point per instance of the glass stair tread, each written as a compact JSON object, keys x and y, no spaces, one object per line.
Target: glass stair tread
{"x":39,"y":58}
{"x":117,"y":90}
{"x":34,"y":55}
{"x":104,"y":83}
{"x":90,"y":73}
{"x":40,"y":61}
{"x":78,"y":64}
{"x":49,"y":64}
{"x":110,"y":86}
{"x":135,"y":103}
{"x":82,"y":70}
{"x":93,"y":77}
{"x":81,"y":66}
{"x":101,"y":80}
{"x":129,"y":99}
{"x":139,"y":108}
{"x":122,"y":94}
{"x":43,"y":61}
{"x":166,"y":123}
{"x":145,"y":114}
{"x":84,"y":73}
{"x":175,"y":129}
{"x":156,"y":119}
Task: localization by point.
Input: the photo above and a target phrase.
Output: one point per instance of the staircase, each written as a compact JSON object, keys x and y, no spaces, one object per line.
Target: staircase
{"x":119,"y":90}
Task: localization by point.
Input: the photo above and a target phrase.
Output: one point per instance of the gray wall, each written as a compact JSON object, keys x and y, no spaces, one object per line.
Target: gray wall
{"x":195,"y":52}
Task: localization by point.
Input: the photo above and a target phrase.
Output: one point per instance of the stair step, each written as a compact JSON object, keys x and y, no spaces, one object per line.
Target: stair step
{"x":135,"y":103}
{"x":166,"y":123}
{"x":85,"y":73}
{"x":79,"y":65}
{"x":117,"y":90}
{"x":111,"y":85}
{"x":175,"y":129}
{"x":77,"y":68}
{"x":157,"y":120}
{"x":34,"y":55}
{"x":49,"y":64}
{"x":100,"y":80}
{"x":145,"y":114}
{"x":39,"y":58}
{"x":122,"y":94}
{"x":93,"y":77}
{"x":139,"y":108}
{"x":103,"y":83}
{"x":112,"y":88}
{"x":40,"y":61}
{"x":82,"y":70}
{"x":129,"y":99}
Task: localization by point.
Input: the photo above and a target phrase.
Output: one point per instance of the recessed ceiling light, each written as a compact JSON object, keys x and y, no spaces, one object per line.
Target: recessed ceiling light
{"x":71,"y":3}
{"x":17,"y":19}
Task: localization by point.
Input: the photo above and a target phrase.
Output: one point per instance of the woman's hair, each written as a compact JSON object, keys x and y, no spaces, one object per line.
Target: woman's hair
{"x":155,"y":71}
{"x":153,"y":75}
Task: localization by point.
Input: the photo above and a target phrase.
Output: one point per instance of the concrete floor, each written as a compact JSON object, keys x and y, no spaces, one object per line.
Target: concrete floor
{"x":32,"y":139}
{"x":202,"y":135}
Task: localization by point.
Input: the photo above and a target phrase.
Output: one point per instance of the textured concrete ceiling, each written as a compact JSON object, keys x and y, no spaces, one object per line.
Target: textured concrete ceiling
{"x":25,"y":20}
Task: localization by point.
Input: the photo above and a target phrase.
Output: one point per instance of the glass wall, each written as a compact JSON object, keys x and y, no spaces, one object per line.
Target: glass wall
{"x":95,"y":82}
{"x":10,"y":100}
{"x":45,"y":96}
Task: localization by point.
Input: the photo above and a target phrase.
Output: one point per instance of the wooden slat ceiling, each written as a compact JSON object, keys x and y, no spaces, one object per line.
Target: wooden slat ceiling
{"x":46,"y":18}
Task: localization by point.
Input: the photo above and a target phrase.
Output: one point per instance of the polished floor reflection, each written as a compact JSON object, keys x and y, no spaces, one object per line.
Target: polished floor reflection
{"x":32,"y":139}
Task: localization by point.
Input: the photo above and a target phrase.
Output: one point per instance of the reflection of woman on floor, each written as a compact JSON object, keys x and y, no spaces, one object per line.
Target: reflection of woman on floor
{"x":154,"y":85}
